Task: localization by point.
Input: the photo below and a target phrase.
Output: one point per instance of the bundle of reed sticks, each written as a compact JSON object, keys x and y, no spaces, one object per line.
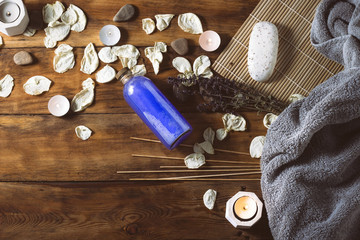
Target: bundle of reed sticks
{"x":242,"y":168}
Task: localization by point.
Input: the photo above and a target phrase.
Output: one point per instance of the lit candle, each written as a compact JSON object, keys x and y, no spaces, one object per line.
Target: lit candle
{"x":9,"y":12}
{"x":209,"y":41}
{"x":58,"y":105}
{"x":245,"y":208}
{"x":110,"y":35}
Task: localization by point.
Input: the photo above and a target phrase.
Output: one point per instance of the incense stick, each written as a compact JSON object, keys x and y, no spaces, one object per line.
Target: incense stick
{"x":184,"y":171}
{"x":212,"y":175}
{"x":195,"y":179}
{"x":190,"y":146}
{"x":205,"y":167}
{"x":179,"y":158}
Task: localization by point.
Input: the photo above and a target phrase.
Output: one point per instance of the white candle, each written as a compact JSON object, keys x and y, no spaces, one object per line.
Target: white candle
{"x":245,"y":208}
{"x":9,"y":12}
{"x":58,"y":105}
{"x":209,"y":41}
{"x":110,"y":35}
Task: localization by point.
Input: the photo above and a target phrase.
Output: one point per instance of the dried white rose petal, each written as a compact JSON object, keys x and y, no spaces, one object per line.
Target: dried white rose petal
{"x":207,"y":73}
{"x":80,"y":25}
{"x":29,"y":32}
{"x":182,"y":64}
{"x":207,"y":147}
{"x":90,"y":60}
{"x":295,"y":97}
{"x":163,"y":21}
{"x":221,"y":134}
{"x":201,"y":66}
{"x":69,"y":17}
{"x":126,"y":51}
{"x":105,"y":75}
{"x":57,"y":31}
{"x":82,"y":100}
{"x":154,"y":58}
{"x":209,"y":198}
{"x":191,"y":23}
{"x":128,"y":55}
{"x":154,"y":54}
{"x":198,"y":149}
{"x":106,"y":55}
{"x":64,"y":58}
{"x":88,"y":83}
{"x":37,"y":85}
{"x":6,"y":85}
{"x":194,"y":160}
{"x":256,"y":146}
{"x":85,"y":97}
{"x":83,"y":132}
{"x":269,"y":118}
{"x":128,"y":62}
{"x":160,"y":46}
{"x":209,"y":135}
{"x":49,"y":42}
{"x":52,"y":12}
{"x":138,"y":70}
{"x":233,"y":122}
{"x":148,"y":25}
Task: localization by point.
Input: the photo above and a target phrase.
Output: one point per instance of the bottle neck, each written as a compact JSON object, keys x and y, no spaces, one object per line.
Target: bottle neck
{"x":124,"y":75}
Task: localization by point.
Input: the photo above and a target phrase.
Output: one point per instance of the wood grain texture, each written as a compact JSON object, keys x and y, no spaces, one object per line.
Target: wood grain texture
{"x":55,"y":186}
{"x":120,"y":211}
{"x":44,"y":148}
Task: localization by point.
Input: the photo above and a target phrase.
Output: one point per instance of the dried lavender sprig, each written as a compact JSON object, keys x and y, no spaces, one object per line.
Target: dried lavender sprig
{"x":224,"y":95}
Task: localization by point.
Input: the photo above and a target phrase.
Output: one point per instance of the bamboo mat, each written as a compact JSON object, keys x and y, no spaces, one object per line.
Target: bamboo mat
{"x":299,"y":67}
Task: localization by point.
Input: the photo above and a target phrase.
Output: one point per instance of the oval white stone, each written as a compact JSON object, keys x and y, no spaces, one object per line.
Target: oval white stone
{"x":263,"y":49}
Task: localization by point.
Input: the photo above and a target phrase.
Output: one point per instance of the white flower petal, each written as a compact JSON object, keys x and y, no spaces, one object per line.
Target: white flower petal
{"x":256,"y":146}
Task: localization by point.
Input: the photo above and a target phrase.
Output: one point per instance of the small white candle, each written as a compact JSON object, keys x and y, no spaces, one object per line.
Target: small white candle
{"x":58,"y":105}
{"x":209,"y":41}
{"x":245,"y":208}
{"x":110,"y":35}
{"x":9,"y":12}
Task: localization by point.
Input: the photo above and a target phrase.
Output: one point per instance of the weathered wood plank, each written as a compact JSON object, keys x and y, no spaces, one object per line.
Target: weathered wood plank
{"x":45,"y":148}
{"x":108,"y":97}
{"x":36,"y":146}
{"x":172,"y":210}
{"x":224,"y":17}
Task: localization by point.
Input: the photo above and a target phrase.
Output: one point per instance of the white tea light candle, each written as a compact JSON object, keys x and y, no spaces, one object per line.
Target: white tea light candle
{"x":9,"y":12}
{"x":58,"y":105}
{"x":245,"y":208}
{"x":13,"y":17}
{"x":209,"y":41}
{"x":110,"y":35}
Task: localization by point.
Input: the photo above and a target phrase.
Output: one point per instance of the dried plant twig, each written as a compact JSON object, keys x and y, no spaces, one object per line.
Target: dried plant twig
{"x":214,"y":175}
{"x":180,"y":158}
{"x":224,"y":95}
{"x":183,"y":171}
{"x":190,"y":146}
{"x":196,"y":179}
{"x":206,"y":167}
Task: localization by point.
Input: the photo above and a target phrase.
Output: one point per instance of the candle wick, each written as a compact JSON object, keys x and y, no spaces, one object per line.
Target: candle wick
{"x":246,"y":207}
{"x":8,"y":13}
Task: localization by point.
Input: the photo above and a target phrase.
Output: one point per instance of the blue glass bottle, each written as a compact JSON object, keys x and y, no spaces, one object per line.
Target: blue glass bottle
{"x":169,"y":126}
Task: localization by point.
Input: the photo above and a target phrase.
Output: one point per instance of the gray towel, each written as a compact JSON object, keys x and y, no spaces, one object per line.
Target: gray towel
{"x":311,"y":157}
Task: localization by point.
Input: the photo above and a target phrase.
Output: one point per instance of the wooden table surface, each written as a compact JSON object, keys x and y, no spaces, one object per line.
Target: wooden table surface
{"x":56,"y":186}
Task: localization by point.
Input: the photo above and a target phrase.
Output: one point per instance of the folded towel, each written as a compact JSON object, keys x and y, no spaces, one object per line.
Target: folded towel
{"x":311,"y":158}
